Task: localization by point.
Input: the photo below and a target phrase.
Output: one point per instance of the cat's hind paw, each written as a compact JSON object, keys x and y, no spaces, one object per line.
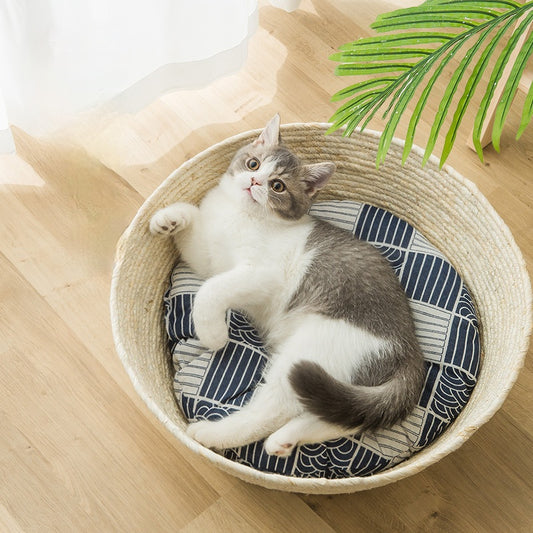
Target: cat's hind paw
{"x":277,"y":447}
{"x":203,"y":432}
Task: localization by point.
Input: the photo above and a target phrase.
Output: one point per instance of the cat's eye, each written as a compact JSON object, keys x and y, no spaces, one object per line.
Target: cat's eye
{"x":277,"y":186}
{"x":253,"y":163}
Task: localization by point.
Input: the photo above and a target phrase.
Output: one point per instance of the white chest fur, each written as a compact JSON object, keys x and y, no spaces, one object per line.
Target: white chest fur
{"x":234,"y":236}
{"x":270,"y":251}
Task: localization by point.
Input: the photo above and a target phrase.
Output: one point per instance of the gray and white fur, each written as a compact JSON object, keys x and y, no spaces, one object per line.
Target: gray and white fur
{"x":344,"y":355}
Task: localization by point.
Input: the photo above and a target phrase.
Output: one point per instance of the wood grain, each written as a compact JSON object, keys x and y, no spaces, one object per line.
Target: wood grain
{"x":79,"y":451}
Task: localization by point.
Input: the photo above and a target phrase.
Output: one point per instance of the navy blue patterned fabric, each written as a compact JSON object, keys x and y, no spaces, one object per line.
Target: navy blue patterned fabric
{"x":210,"y":385}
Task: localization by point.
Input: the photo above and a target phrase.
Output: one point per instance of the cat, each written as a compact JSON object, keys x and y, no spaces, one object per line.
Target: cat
{"x":343,"y":352}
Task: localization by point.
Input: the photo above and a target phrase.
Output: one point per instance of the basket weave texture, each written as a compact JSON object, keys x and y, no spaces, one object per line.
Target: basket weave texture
{"x":445,"y":207}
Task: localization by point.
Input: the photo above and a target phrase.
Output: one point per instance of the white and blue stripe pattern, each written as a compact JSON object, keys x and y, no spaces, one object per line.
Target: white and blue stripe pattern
{"x":211,"y":385}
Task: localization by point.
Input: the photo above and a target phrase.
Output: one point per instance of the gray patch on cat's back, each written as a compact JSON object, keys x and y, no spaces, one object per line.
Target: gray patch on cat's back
{"x":348,"y":279}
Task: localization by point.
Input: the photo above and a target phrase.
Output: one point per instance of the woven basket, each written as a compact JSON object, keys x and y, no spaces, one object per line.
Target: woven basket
{"x":445,"y":207}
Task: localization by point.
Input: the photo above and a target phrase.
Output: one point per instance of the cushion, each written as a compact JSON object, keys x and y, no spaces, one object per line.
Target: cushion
{"x":210,"y":385}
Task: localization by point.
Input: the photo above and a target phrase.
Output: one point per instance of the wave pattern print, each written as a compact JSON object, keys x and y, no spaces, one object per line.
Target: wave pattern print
{"x":210,"y":385}
{"x":451,"y":393}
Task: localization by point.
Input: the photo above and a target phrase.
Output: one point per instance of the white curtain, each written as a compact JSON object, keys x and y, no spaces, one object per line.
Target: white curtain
{"x":61,"y":57}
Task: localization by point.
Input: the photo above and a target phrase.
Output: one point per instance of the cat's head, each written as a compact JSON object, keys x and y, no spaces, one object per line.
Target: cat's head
{"x":267,"y":177}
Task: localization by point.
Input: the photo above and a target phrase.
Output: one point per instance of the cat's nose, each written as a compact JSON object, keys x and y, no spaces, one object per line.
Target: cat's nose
{"x":254,"y":181}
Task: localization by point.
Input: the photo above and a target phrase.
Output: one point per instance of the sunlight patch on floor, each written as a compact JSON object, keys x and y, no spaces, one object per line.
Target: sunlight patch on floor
{"x":15,"y":171}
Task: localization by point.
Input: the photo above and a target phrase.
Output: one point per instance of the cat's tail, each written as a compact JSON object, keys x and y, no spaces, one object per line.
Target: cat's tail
{"x":357,"y":406}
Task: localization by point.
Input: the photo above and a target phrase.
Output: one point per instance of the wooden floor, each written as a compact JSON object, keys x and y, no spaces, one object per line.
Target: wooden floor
{"x":79,"y":451}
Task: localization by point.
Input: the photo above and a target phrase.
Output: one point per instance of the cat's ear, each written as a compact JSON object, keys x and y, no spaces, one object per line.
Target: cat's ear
{"x":270,"y":135}
{"x":316,"y":176}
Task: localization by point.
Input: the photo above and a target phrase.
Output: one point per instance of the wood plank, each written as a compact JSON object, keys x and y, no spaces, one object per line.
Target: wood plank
{"x":249,"y":508}
{"x":72,"y":439}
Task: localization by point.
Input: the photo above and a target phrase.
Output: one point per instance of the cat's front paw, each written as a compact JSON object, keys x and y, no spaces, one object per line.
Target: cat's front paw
{"x":209,"y":322}
{"x":171,"y":219}
{"x":203,"y":432}
{"x":212,"y":333}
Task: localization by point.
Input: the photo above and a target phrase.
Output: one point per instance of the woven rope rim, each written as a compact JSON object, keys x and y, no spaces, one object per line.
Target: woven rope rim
{"x":447,"y":208}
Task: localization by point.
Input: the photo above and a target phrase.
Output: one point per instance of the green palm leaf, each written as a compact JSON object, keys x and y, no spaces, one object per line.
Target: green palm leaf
{"x":527,"y":113}
{"x":482,"y":34}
